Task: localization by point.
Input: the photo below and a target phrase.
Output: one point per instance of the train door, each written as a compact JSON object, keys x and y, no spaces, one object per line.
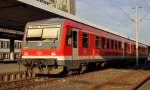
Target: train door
{"x":74,"y":44}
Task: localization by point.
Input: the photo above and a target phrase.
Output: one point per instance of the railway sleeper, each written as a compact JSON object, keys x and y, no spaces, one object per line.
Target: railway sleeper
{"x":12,"y":76}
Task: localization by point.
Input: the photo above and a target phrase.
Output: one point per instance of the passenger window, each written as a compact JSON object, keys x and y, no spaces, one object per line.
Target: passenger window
{"x":134,"y":47}
{"x":112,"y":44}
{"x":125,"y":46}
{"x":97,"y":42}
{"x":143,"y":49}
{"x":103,"y":42}
{"x":108,"y":43}
{"x":85,"y":40}
{"x":119,"y":45}
{"x":116,"y":46}
{"x":69,"y":37}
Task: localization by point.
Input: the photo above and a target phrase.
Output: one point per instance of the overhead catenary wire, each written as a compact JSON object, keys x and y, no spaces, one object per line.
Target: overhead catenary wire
{"x":126,"y":14}
{"x":142,"y":18}
{"x":147,"y":3}
{"x":107,"y":13}
{"x":147,"y":12}
{"x":110,"y":15}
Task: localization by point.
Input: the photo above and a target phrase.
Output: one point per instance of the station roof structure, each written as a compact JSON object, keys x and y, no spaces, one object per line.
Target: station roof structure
{"x":14,"y":14}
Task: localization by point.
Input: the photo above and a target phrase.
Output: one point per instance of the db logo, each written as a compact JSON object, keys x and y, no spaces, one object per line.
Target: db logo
{"x":39,"y":53}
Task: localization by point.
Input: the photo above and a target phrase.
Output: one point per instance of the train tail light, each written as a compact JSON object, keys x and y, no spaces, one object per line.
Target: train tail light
{"x":25,"y":54}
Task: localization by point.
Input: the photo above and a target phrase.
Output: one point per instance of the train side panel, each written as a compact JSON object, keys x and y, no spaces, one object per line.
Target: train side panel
{"x":93,"y":54}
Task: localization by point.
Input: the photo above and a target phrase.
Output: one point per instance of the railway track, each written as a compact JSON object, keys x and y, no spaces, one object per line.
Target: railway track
{"x":36,"y":83}
{"x":126,"y":80}
{"x":9,"y":80}
{"x":14,"y":76}
{"x":32,"y":83}
{"x":129,"y":81}
{"x":26,"y":84}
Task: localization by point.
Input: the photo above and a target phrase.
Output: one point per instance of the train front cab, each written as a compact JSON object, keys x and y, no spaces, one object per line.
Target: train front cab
{"x":48,"y":45}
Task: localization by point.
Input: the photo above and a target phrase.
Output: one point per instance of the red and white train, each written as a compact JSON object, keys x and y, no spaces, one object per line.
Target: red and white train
{"x":65,"y":44}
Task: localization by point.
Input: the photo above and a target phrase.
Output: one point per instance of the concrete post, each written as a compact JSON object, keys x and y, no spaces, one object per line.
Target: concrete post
{"x":12,"y":42}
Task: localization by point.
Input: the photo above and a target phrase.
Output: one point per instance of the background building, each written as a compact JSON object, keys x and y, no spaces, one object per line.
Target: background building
{"x":64,"y":5}
{"x":5,"y":49}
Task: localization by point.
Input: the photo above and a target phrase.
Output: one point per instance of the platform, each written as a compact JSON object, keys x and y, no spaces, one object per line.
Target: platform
{"x":4,"y":68}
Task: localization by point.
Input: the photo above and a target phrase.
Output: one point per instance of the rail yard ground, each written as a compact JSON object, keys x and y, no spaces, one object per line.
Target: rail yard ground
{"x":114,"y":77}
{"x":11,"y":67}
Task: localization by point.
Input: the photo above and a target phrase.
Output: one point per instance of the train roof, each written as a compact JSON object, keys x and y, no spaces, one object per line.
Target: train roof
{"x":61,"y":20}
{"x":47,"y":21}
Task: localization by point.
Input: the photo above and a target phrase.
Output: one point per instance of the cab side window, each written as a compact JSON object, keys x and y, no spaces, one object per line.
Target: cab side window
{"x":69,"y":37}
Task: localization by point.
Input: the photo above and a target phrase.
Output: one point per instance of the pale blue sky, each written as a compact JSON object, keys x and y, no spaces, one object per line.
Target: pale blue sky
{"x":110,"y":13}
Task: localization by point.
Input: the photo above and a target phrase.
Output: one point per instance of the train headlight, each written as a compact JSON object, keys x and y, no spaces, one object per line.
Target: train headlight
{"x":25,"y":54}
{"x":53,"y":54}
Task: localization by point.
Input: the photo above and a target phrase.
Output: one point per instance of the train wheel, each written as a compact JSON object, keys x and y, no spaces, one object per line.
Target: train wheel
{"x":70,"y":72}
{"x":34,"y":71}
{"x":73,"y":72}
{"x":49,"y":69}
{"x":98,"y":66}
{"x":104,"y":64}
{"x":45,"y":70}
{"x":28,"y":71}
{"x":83,"y":68}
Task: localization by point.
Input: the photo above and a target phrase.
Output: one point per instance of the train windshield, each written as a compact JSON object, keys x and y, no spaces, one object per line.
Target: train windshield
{"x":43,"y":36}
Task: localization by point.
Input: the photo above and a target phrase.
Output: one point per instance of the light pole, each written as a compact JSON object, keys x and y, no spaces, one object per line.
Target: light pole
{"x":137,"y":35}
